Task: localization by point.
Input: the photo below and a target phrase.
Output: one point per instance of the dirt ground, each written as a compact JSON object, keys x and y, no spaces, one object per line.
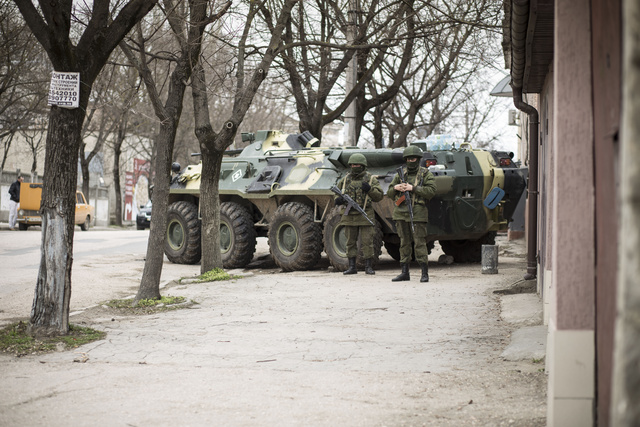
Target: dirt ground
{"x":311,"y":348}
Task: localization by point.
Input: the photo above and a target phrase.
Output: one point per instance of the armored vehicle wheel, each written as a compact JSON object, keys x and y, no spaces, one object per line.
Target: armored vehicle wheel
{"x":393,"y":249}
{"x":295,"y":240}
{"x":335,"y":243}
{"x":182,"y":245}
{"x":237,"y":235}
{"x":467,"y":250}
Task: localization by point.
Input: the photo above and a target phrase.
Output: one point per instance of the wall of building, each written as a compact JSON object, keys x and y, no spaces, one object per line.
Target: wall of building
{"x":547,"y":189}
{"x":571,"y":344}
{"x":607,"y":101}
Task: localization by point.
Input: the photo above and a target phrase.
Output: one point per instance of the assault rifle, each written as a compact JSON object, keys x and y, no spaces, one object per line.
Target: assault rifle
{"x":406,"y":197}
{"x":351,"y":204}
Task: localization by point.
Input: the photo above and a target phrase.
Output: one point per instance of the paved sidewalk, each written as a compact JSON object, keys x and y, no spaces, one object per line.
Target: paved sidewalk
{"x":289,"y":349}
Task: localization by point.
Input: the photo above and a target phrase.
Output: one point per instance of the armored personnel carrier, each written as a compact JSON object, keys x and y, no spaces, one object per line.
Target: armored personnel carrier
{"x":279,"y":187}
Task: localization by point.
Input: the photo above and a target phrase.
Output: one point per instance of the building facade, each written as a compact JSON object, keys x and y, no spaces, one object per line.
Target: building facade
{"x":566,"y":65}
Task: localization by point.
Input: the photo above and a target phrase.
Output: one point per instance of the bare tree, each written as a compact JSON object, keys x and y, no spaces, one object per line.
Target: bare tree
{"x":129,"y":126}
{"x":187,"y":22}
{"x":442,"y":78}
{"x":407,"y":52}
{"x":35,"y":139}
{"x":86,"y":53}
{"x":317,"y":54}
{"x":98,"y":124}
{"x":22,"y":90}
{"x":271,"y":108}
{"x":213,"y":144}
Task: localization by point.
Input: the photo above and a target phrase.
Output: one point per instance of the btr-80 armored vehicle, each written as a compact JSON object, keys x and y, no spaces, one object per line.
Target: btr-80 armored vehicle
{"x":279,"y":187}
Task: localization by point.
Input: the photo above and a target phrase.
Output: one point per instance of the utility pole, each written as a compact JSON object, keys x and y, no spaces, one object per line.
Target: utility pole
{"x":352,"y":75}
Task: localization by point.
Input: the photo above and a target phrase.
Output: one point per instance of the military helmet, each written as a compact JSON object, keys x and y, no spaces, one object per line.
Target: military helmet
{"x":358,"y":159}
{"x":412,"y":151}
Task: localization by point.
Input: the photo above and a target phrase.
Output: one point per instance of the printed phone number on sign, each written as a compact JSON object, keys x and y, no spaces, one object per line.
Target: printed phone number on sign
{"x":63,"y":96}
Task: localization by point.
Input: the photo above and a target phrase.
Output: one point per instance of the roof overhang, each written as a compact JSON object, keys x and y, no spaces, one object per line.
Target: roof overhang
{"x":528,"y":42}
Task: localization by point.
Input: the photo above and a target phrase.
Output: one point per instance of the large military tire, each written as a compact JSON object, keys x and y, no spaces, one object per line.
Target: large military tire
{"x":237,"y":235}
{"x":393,"y":249}
{"x":335,"y":243}
{"x":182,"y":243}
{"x":295,"y":240}
{"x":467,"y":250}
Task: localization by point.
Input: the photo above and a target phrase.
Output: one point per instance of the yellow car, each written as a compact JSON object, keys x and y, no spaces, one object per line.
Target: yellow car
{"x":29,"y":212}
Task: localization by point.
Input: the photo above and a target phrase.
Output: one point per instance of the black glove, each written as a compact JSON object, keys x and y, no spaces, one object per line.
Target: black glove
{"x":366,"y":187}
{"x":340,"y":201}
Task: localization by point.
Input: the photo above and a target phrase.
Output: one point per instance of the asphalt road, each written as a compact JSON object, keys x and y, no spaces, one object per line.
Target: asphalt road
{"x":107,"y":264}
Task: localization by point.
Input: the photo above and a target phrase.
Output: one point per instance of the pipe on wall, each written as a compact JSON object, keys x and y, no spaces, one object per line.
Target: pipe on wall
{"x":519,"y":22}
{"x":532,"y":185}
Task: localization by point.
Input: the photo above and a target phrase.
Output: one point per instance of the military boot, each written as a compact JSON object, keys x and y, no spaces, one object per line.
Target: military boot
{"x":352,"y":267}
{"x":404,"y":276}
{"x":368,"y":266}
{"x":425,"y":272}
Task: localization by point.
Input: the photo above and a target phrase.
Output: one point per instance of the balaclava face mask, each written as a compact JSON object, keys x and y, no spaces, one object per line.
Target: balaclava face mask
{"x":356,"y":170}
{"x":413,"y":166}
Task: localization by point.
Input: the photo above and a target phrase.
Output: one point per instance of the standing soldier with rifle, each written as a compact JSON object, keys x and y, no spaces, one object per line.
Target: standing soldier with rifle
{"x":411,"y":189}
{"x":363,"y":189}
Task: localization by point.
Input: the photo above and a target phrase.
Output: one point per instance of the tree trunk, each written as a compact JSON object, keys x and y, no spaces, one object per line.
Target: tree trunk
{"x":117,"y":151}
{"x":84,"y":168}
{"x":377,"y":127}
{"x":210,"y":211}
{"x":213,"y":145}
{"x":150,"y":283}
{"x":51,"y":25}
{"x":50,"y":310}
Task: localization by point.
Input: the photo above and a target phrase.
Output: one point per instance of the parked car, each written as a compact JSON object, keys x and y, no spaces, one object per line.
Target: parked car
{"x":143,"y":220}
{"x":29,"y":213}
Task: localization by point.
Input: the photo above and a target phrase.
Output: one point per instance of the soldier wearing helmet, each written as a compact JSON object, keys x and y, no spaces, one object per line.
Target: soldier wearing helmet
{"x":421,"y":185}
{"x":364,"y":189}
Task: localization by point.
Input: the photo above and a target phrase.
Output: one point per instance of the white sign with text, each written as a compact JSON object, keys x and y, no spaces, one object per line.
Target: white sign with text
{"x":64,"y":90}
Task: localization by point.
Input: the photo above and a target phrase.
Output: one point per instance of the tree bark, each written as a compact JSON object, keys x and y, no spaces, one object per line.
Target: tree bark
{"x":150,"y":283}
{"x":50,"y":310}
{"x":210,"y":210}
{"x":169,"y":115}
{"x":214,"y":144}
{"x":117,"y":152}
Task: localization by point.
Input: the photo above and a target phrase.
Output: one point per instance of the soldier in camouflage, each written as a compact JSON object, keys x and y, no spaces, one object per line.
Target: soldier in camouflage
{"x":420,"y":184}
{"x":364,"y":189}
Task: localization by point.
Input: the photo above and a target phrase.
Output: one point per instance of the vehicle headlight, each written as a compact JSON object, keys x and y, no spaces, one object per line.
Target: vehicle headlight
{"x":21,"y":212}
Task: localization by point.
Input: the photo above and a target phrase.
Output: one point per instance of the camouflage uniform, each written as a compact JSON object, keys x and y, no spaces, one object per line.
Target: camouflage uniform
{"x":424,"y":188}
{"x":354,"y":185}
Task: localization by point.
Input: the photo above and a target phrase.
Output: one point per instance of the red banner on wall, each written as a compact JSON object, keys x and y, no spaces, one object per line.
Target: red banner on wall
{"x":141,"y":167}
